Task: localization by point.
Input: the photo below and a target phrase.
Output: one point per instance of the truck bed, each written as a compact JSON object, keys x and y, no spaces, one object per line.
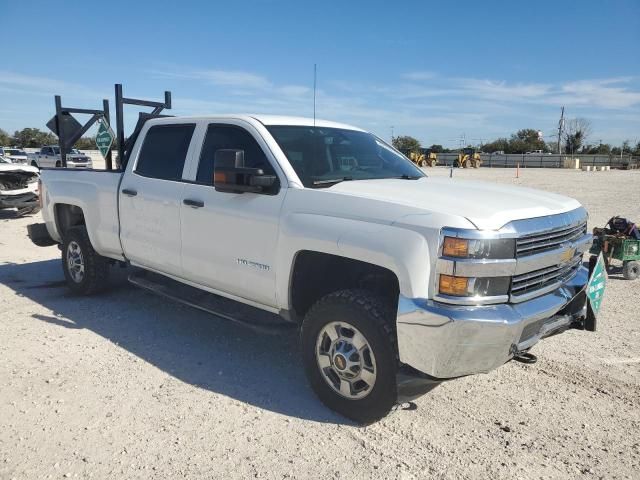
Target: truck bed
{"x":96,"y":193}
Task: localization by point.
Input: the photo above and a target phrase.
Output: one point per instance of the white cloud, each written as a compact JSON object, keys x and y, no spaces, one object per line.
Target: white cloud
{"x":21,"y":83}
{"x":417,"y":76}
{"x":605,"y":93}
{"x":225,"y":78}
{"x":609,"y":93}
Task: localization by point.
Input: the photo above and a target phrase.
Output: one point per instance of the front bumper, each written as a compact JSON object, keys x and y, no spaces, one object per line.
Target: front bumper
{"x":21,"y":200}
{"x":448,"y":341}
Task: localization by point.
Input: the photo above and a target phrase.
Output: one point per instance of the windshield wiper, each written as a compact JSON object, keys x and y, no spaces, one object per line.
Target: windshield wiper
{"x":330,"y":182}
{"x":409,"y":177}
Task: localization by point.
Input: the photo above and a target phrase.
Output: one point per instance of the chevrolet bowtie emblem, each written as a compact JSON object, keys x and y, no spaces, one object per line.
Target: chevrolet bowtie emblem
{"x":568,"y":254}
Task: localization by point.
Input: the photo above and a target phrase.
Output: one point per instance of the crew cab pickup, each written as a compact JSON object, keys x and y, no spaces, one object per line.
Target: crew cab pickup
{"x":49,"y":156}
{"x":396,"y":280}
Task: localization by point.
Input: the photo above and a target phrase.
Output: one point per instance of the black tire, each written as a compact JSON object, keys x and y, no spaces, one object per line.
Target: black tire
{"x":58,"y":164}
{"x":95,"y":267}
{"x":631,"y":269}
{"x":368,"y":314}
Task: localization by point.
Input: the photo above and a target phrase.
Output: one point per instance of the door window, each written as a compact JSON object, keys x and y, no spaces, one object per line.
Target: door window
{"x":230,"y":137}
{"x":164,"y":151}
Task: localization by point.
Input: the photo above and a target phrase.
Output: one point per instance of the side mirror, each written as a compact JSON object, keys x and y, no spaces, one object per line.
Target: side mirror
{"x":231,"y":176}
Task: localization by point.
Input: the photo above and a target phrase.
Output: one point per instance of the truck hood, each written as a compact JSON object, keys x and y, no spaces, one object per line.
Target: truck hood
{"x":13,"y":167}
{"x":488,"y":206}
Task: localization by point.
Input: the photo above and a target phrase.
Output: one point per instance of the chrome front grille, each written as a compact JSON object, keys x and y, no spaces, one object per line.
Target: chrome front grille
{"x":544,"y":241}
{"x":534,"y":283}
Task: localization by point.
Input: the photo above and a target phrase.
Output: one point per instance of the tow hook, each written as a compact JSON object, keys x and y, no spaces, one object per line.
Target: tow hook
{"x":525,"y":357}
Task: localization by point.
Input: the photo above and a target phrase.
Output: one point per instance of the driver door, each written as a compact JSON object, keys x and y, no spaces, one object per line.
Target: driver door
{"x":229,"y":240}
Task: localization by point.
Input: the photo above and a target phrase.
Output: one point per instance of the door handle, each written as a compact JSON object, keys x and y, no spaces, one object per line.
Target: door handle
{"x":193,"y":203}
{"x":129,"y":192}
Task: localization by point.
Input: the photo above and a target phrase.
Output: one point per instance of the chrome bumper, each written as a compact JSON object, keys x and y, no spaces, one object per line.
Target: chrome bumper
{"x":447,"y":341}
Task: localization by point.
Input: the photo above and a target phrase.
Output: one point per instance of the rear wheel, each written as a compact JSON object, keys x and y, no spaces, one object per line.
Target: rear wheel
{"x":58,"y":164}
{"x":631,"y":269}
{"x":86,"y":271}
{"x":350,"y":356}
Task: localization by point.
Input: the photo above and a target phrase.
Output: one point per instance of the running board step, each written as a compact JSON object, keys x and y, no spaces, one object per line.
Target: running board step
{"x":252,"y":317}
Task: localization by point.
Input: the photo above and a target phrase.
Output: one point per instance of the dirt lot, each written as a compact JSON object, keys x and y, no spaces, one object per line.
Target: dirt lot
{"x":128,"y":385}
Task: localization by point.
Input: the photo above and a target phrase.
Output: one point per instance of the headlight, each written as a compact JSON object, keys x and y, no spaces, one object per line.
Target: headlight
{"x":473,"y":287}
{"x":496,"y":248}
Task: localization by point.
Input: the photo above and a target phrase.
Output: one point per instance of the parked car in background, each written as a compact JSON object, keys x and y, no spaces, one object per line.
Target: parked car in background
{"x":14,"y":155}
{"x":18,"y":187}
{"x":49,"y":156}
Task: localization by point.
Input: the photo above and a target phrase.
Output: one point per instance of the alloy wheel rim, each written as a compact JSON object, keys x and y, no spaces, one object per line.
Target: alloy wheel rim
{"x":346,"y":360}
{"x":75,"y":262}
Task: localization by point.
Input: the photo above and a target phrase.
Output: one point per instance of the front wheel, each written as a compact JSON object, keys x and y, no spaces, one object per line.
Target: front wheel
{"x":350,"y":355}
{"x":631,"y":269}
{"x":86,"y":271}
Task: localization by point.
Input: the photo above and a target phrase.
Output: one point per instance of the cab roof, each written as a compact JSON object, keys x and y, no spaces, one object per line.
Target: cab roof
{"x":268,"y":120}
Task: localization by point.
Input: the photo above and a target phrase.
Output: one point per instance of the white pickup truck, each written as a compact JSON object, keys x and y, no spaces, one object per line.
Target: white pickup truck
{"x":49,"y":156}
{"x":398,"y":281}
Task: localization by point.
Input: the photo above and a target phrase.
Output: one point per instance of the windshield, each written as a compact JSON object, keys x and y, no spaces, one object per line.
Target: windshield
{"x":323,"y":156}
{"x":14,"y":151}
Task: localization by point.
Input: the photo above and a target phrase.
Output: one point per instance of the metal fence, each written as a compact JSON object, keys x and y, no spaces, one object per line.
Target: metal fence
{"x":545,"y":160}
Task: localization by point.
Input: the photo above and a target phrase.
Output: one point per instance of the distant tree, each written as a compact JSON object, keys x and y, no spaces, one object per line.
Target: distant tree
{"x":636,"y":149}
{"x":577,"y":132}
{"x":626,"y":148}
{"x":435,"y":148}
{"x":601,"y":149}
{"x":526,"y":140}
{"x":86,"y":143}
{"x":5,"y":138}
{"x":499,"y":145}
{"x":406,"y":144}
{"x":32,"y":137}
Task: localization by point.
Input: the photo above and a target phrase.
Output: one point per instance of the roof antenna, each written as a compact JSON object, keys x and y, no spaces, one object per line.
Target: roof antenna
{"x":315,"y":70}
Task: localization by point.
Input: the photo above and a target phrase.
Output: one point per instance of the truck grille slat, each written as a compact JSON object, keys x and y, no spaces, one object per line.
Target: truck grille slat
{"x":540,"y":242}
{"x":539,"y":279}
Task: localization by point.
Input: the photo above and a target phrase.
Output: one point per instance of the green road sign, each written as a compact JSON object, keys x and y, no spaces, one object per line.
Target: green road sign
{"x":104,"y":138}
{"x":597,"y":282}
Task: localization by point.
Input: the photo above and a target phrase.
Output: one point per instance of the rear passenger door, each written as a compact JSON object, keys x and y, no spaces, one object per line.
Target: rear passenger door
{"x":151,"y":197}
{"x":229,"y":240}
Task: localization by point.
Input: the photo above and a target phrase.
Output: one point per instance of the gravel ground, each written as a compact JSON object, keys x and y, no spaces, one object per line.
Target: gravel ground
{"x":129,"y":385}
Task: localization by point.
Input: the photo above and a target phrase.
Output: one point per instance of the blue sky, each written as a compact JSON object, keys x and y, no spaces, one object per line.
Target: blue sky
{"x":434,"y":70}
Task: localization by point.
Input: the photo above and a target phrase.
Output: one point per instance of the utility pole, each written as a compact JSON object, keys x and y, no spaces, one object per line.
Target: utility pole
{"x":560,"y":128}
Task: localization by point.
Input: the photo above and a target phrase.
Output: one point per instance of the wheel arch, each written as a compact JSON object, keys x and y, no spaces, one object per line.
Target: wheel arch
{"x":66,"y":216}
{"x":315,"y":274}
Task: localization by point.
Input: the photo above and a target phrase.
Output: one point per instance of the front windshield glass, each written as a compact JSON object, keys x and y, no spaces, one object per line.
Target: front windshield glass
{"x":322,"y":156}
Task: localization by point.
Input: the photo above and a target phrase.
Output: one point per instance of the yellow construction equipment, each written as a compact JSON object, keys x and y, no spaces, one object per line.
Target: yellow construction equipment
{"x":424,"y":158}
{"x":469,"y":157}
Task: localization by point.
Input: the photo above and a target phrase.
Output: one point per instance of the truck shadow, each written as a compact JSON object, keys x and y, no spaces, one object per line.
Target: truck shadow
{"x":197,"y":348}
